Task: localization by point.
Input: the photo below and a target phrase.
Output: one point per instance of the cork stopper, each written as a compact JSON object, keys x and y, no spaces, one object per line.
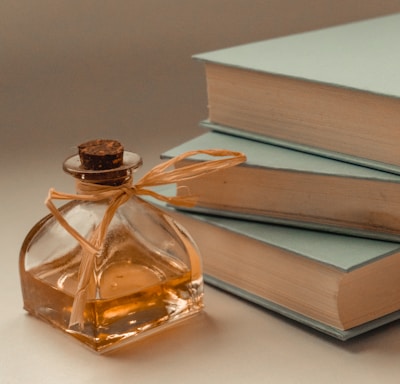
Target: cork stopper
{"x":102,"y":161}
{"x":101,"y":154}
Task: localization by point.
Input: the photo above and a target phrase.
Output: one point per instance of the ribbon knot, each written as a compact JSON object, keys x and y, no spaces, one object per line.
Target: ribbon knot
{"x":118,"y":195}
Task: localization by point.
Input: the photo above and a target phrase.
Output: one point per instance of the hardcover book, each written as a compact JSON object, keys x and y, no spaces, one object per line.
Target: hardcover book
{"x":333,"y":92}
{"x":340,"y":285}
{"x":284,"y":186}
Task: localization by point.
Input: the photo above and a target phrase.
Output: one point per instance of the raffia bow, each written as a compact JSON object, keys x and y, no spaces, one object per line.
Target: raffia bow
{"x":118,"y":195}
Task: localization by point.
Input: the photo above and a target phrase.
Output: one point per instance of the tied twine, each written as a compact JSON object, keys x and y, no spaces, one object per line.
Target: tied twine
{"x":118,"y":195}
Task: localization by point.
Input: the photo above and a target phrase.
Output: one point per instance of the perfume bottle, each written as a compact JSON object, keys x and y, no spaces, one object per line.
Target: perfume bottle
{"x":128,"y":271}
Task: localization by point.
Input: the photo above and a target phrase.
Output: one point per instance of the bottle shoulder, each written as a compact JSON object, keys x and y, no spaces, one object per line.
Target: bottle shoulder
{"x":135,"y":222}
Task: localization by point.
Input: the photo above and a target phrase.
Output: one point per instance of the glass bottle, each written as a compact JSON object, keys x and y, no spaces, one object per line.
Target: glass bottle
{"x":145,"y":276}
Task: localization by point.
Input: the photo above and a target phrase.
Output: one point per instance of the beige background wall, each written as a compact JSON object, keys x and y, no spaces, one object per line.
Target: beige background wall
{"x":73,"y":70}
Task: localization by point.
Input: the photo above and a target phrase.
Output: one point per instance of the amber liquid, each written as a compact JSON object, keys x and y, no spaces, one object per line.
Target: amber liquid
{"x":133,"y":293}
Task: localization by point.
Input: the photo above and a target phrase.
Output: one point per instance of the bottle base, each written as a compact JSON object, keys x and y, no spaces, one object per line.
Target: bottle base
{"x":112,"y":323}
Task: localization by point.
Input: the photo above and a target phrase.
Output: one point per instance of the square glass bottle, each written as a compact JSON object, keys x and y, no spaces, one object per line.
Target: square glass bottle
{"x":130,"y":271}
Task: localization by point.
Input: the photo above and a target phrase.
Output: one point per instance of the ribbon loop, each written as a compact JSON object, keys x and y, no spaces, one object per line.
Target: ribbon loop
{"x":159,"y":176}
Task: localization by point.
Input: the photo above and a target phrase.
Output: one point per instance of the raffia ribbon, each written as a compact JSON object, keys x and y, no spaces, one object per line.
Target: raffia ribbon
{"x":118,"y":195}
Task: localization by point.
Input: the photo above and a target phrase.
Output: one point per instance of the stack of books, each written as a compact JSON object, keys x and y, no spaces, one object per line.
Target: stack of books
{"x":309,"y":226}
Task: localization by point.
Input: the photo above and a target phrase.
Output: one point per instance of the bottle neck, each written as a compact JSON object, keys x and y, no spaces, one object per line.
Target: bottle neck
{"x":113,"y":179}
{"x":83,"y":186}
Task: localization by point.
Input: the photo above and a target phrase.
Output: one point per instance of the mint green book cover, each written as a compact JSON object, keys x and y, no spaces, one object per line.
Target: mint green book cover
{"x":375,"y":194}
{"x":362,"y":55}
{"x":343,"y":100}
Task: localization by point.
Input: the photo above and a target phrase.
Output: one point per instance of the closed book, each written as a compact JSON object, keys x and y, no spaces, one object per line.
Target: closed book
{"x":333,"y":92}
{"x":340,"y":285}
{"x":284,"y":186}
